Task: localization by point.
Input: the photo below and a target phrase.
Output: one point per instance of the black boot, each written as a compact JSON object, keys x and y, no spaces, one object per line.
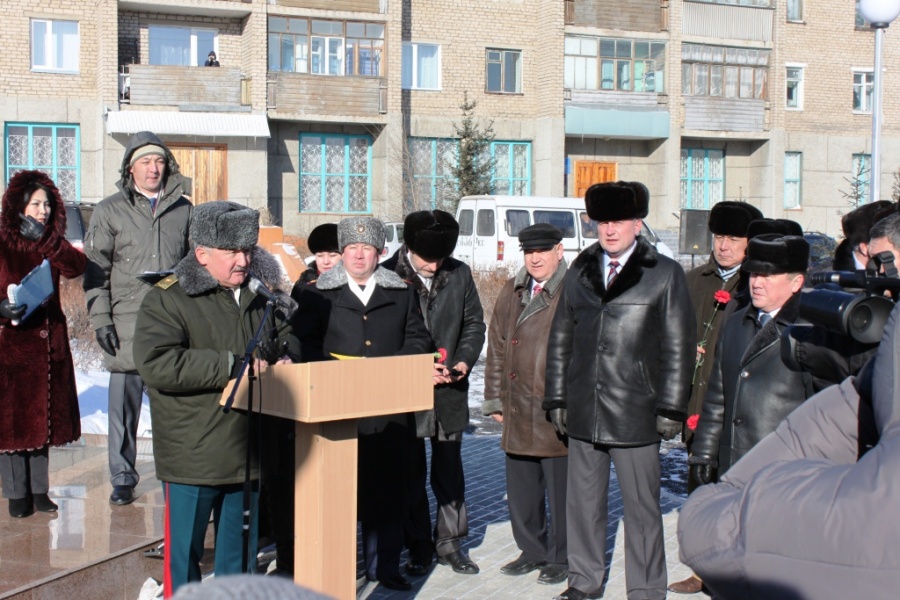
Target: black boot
{"x":20,"y":507}
{"x":43,"y":503}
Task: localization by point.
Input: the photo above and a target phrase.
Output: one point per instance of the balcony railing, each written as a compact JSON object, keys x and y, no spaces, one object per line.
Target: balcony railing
{"x":157,"y":85}
{"x":299,"y":93}
{"x":728,"y":21}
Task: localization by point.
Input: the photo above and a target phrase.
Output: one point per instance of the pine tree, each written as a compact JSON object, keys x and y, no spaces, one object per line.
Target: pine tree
{"x":474,"y":167}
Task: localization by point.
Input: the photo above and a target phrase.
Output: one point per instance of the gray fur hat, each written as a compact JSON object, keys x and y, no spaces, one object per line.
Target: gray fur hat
{"x":361,"y":230}
{"x":226,"y":225}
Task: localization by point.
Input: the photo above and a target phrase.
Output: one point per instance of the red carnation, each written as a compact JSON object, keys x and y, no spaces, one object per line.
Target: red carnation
{"x":441,"y":355}
{"x":722,"y":297}
{"x":693,"y":419}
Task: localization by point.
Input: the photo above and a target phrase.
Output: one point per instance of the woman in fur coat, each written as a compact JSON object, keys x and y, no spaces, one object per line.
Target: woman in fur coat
{"x":38,"y":399}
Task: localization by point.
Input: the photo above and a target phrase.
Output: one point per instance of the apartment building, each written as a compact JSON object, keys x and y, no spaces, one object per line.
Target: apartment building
{"x":322,"y":108}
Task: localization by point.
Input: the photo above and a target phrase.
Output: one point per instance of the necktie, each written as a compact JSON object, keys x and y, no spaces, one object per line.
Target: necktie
{"x":611,"y":276}
{"x":764,"y":318}
{"x":536,"y":291}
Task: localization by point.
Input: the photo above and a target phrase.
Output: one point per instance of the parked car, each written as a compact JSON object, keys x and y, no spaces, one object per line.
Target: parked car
{"x":393,"y":239}
{"x":75,"y":225}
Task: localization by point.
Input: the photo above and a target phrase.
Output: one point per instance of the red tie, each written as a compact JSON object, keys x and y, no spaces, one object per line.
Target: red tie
{"x":536,"y":291}
{"x":611,"y":276}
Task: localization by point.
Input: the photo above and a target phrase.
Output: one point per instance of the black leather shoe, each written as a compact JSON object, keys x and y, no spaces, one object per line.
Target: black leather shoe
{"x":20,"y":507}
{"x":395,"y":582}
{"x":43,"y":503}
{"x":521,"y":566}
{"x":122,"y":495}
{"x":459,"y":562}
{"x":417,"y":567}
{"x":553,"y":574}
{"x":576,"y":594}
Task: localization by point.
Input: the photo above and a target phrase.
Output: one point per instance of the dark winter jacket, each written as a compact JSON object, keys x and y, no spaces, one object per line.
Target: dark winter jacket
{"x":38,"y":398}
{"x":331,"y":321}
{"x":188,"y":331}
{"x":126,"y":239}
{"x":703,"y":282}
{"x":454,"y":318}
{"x":750,"y":391}
{"x":516,"y":365}
{"x":617,"y":358}
{"x":802,"y":516}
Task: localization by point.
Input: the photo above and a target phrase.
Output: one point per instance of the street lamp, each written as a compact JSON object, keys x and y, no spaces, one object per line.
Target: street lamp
{"x":879,"y":14}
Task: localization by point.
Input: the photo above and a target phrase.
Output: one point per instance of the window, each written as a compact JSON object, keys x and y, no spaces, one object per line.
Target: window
{"x":863,"y":86}
{"x":760,"y":3}
{"x":485,"y":223}
{"x":181,"y":46}
{"x":512,"y":168}
{"x":860,"y":21}
{"x":54,"y":45}
{"x":466,"y":221}
{"x":793,"y":170}
{"x":723,"y":72}
{"x":564,"y":220}
{"x":860,"y":176}
{"x":623,"y":65}
{"x":702,"y":177}
{"x":421,"y":66}
{"x":431,"y":161}
{"x":504,"y":71}
{"x":794,"y":79}
{"x":298,"y":45}
{"x":795,"y":10}
{"x":53,"y":149}
{"x":516,"y":221}
{"x":335,"y":173}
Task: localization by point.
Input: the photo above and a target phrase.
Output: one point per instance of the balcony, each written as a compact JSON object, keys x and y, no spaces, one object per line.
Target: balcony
{"x":725,"y":21}
{"x":326,"y":98}
{"x":370,"y":6}
{"x":616,"y":115}
{"x":196,"y":8}
{"x":724,"y":114}
{"x":201,"y":88}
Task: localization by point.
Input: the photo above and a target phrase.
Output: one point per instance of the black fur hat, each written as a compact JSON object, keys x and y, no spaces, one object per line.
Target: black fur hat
{"x":323,"y":239}
{"x":857,"y":223}
{"x":617,"y":201}
{"x":779,"y":226}
{"x":771,"y":253}
{"x":223,"y":224}
{"x":431,"y":234}
{"x":732,"y":218}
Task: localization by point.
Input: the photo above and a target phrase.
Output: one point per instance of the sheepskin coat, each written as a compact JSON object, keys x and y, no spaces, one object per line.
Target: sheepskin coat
{"x":38,"y":398}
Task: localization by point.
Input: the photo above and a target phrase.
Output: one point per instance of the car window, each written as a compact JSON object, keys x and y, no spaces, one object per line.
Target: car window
{"x":588,"y":225}
{"x":485,"y":224}
{"x":74,"y":224}
{"x":466,"y":220}
{"x":400,"y":233}
{"x":389,"y":233}
{"x":563,"y":220}
{"x":516,"y":221}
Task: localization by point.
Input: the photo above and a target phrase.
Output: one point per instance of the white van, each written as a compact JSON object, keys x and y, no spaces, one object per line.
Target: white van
{"x":489,"y":228}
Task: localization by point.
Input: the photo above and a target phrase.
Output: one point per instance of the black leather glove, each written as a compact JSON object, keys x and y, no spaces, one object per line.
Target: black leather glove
{"x":12,"y":311}
{"x":667,"y":428}
{"x":271,"y":351}
{"x":702,"y":473}
{"x":558,"y":418}
{"x":108,"y":339}
{"x":31,"y":229}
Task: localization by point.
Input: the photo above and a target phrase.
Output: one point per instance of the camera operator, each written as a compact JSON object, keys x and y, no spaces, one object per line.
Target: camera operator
{"x":885,"y":237}
{"x":853,"y":253}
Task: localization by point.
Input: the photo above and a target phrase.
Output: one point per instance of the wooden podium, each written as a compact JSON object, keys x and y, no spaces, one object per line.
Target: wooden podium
{"x":326,"y":398}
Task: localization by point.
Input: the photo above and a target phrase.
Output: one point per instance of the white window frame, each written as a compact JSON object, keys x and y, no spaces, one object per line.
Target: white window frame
{"x":196,"y":60}
{"x":799,"y":10}
{"x":520,"y":71}
{"x":868,"y":89}
{"x":793,"y":181}
{"x":801,"y":84}
{"x":411,"y":50}
{"x":324,"y":65}
{"x":51,"y":47}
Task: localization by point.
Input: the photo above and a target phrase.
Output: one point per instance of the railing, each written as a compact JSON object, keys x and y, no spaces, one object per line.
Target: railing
{"x":302,"y":93}
{"x":160,"y":85}
{"x":728,"y":21}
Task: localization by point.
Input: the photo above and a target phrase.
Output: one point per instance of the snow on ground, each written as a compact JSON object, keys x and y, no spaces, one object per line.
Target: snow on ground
{"x":93,"y":402}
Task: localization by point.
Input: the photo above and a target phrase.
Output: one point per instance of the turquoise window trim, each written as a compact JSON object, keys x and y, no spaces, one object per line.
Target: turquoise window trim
{"x":52,"y":169}
{"x":790,"y":182}
{"x":434,"y":176}
{"x":702,"y":154}
{"x":510,"y":175}
{"x":346,"y":175}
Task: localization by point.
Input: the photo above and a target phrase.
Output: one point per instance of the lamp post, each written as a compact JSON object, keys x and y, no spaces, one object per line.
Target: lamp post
{"x":879,"y":14}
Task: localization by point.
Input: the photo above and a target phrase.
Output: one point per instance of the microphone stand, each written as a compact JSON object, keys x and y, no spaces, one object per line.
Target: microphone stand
{"x":248,"y":367}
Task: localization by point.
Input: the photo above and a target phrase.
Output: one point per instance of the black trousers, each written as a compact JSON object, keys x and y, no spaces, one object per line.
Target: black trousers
{"x":527,"y":480}
{"x":25,"y":473}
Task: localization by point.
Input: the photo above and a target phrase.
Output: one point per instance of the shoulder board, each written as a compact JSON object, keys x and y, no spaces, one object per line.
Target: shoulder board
{"x":167,"y":282}
{"x":311,"y":282}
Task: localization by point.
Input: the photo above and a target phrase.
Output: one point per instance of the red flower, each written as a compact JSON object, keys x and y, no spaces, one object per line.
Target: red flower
{"x":440,"y":355}
{"x":722,"y":297}
{"x":693,"y":419}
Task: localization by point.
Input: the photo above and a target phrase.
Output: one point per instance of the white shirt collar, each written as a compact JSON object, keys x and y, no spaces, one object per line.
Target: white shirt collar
{"x":622,"y":259}
{"x":362,"y":294}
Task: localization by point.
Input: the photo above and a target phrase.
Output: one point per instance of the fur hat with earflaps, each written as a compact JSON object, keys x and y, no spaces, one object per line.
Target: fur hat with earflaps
{"x":225,"y":225}
{"x":324,"y":238}
{"x":779,"y":226}
{"x":732,"y":218}
{"x":361,"y":230}
{"x":857,"y":223}
{"x":771,"y":253}
{"x":617,"y":201}
{"x":431,"y":234}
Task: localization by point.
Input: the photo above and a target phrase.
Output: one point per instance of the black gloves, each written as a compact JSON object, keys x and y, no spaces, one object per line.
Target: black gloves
{"x":271,"y":351}
{"x":31,"y":229}
{"x":703,"y":473}
{"x":667,"y":428}
{"x":558,"y":418}
{"x":12,"y":311}
{"x":108,"y":339}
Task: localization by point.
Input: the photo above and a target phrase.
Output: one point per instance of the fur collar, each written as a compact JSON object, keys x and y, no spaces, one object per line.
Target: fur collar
{"x":533,"y":305}
{"x":13,"y":204}
{"x":770,"y":333}
{"x":195,"y":279}
{"x":337,"y":277}
{"x":589,"y":265}
{"x":440,"y":280}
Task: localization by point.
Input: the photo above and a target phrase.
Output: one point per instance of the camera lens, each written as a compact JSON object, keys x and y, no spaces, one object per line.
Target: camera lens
{"x":861,"y":318}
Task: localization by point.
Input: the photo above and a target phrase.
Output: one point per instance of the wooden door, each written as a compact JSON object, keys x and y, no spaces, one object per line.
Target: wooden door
{"x":207,"y":166}
{"x":589,"y":172}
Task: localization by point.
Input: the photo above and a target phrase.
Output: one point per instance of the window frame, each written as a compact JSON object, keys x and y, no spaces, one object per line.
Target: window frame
{"x":197,"y":58}
{"x":438,"y":175}
{"x":414,"y":83}
{"x":503,"y":70}
{"x":345,"y":175}
{"x":800,"y":85}
{"x":51,"y":47}
{"x":351,"y":47}
{"x":53,"y":169}
{"x":726,"y":64}
{"x":687,"y":200}
{"x":867,"y":95}
{"x":511,"y":177}
{"x":656,"y":56}
{"x":798,"y":10}
{"x":790,"y":181}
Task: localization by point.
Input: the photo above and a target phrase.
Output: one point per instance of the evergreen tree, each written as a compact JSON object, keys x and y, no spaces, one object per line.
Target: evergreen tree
{"x":474,"y":166}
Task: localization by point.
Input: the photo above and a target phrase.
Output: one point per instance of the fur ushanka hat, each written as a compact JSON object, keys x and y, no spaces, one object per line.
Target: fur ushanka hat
{"x":771,"y":253}
{"x":617,"y":201}
{"x":361,"y":230}
{"x":225,"y":225}
{"x":779,"y":226}
{"x":857,"y":223}
{"x":324,"y":238}
{"x":732,"y":218}
{"x":431,"y":234}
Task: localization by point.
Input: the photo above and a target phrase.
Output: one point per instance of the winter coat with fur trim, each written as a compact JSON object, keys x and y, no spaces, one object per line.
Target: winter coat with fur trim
{"x":454,"y":318}
{"x":125,"y":239}
{"x":188,"y":331}
{"x":617,"y":358}
{"x":38,"y":397}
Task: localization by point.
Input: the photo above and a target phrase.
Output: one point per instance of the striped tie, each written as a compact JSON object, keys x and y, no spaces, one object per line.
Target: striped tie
{"x":613,"y":273}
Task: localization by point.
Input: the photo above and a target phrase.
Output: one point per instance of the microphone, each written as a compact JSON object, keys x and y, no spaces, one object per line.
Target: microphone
{"x":283,"y":301}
